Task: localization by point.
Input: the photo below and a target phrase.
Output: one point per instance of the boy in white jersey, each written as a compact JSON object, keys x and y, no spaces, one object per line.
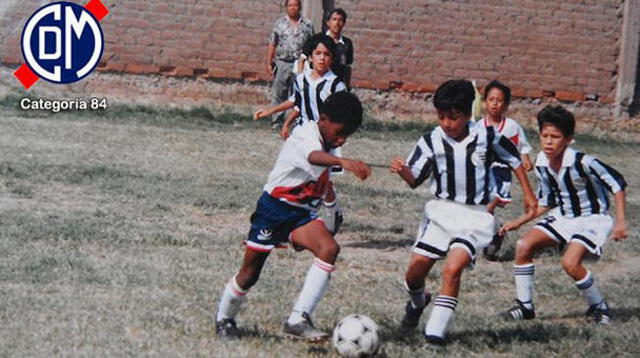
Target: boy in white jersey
{"x":497,"y":97}
{"x":286,"y":211}
{"x":457,"y":155}
{"x":310,"y":89}
{"x":577,"y":185}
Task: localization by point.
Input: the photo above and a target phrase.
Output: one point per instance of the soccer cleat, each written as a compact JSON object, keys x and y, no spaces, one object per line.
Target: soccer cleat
{"x":491,"y":252}
{"x":519,"y":313}
{"x":304,"y":330}
{"x":226,"y":329}
{"x":599,"y":315}
{"x":412,"y":315}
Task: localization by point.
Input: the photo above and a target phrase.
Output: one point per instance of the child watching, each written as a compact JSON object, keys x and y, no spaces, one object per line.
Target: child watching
{"x":286,"y":211}
{"x":457,"y":155}
{"x":576,"y":184}
{"x":497,"y":97}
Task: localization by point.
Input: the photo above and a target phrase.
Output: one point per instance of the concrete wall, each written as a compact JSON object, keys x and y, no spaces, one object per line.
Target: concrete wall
{"x":568,"y":49}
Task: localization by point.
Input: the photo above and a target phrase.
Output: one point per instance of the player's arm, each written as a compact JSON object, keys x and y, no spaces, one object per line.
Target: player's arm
{"x":529,"y":199}
{"x":357,"y":167}
{"x":265,"y":112}
{"x":620,"y":226}
{"x":526,"y":162}
{"x":523,"y":219}
{"x":284,"y":132}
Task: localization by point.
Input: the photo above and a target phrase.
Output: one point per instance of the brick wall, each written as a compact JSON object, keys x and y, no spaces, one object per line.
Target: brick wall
{"x":562,"y":48}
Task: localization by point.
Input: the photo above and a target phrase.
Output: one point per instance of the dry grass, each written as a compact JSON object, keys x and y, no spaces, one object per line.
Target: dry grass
{"x":119,"y":230}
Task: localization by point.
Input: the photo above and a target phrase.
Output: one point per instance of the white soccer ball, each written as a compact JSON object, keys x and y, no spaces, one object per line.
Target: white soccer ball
{"x":356,"y":335}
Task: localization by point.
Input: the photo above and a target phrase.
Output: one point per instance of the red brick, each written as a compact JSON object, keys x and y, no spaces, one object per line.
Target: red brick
{"x":570,"y":96}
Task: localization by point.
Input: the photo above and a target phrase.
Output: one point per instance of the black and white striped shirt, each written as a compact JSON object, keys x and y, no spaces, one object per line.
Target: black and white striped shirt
{"x":580,"y":187}
{"x":309,"y":94}
{"x":461,"y":170}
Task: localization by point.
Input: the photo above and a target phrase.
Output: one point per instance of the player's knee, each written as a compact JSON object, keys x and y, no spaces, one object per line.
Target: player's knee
{"x":329,"y":251}
{"x":451,"y":272}
{"x":524,"y":249}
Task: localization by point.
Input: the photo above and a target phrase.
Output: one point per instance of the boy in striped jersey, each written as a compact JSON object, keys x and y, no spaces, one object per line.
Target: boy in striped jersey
{"x":287,"y":212}
{"x":457,"y":155}
{"x":576,"y":184}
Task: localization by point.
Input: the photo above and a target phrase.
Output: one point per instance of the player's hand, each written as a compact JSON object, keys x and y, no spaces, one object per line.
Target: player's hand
{"x":619,"y":231}
{"x":526,"y":164}
{"x":270,"y":68}
{"x":261,"y":113}
{"x":509,"y":226}
{"x":396,"y":165}
{"x":284,"y":131}
{"x":357,"y":167}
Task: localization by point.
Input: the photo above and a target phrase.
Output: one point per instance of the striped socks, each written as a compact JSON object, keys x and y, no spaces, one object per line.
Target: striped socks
{"x":314,"y":287}
{"x":417,"y":297}
{"x":524,"y":275}
{"x":443,"y":308}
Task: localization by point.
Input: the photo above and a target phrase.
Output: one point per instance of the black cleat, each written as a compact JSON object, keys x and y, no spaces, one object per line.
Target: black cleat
{"x":519,"y":313}
{"x":227,"y":330}
{"x":434,"y":339}
{"x":412,"y":315}
{"x":491,"y":252}
{"x":599,"y":314}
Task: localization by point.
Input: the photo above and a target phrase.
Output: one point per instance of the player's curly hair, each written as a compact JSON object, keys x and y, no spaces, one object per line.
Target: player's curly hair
{"x":343,"y":107}
{"x":559,"y":117}
{"x":455,"y":94}
{"x":320,"y":38}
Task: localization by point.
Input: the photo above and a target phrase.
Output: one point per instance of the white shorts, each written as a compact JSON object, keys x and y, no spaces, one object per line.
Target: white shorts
{"x":447,"y":224}
{"x":590,"y":231}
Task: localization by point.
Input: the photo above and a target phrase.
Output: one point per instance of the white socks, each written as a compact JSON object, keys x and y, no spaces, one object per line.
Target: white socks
{"x":443,"y":307}
{"x":232,"y":298}
{"x":523,"y":275}
{"x":589,"y":290}
{"x":314,"y":286}
{"x":330,"y":210}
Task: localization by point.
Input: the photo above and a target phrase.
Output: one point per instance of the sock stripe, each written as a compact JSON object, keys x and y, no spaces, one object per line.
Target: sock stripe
{"x":524,"y":270}
{"x":236,"y":289}
{"x":446,"y":302}
{"x":586,"y":282}
{"x":323,"y":265}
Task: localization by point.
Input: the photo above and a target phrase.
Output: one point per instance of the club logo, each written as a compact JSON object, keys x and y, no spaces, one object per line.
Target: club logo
{"x":265,"y":235}
{"x":62,"y":42}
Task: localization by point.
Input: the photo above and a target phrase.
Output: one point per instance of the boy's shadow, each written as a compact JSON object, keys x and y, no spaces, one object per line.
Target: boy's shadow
{"x":380,"y":244}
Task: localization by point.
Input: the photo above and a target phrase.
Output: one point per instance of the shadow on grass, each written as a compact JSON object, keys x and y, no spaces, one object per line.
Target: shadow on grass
{"x":620,"y":314}
{"x":380,"y":244}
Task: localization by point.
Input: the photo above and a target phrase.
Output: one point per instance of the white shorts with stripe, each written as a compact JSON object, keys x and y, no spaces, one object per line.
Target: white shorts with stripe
{"x":590,"y":231}
{"x":447,"y":224}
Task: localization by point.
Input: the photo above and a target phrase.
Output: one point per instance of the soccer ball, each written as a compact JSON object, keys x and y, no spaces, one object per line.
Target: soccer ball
{"x":356,"y":335}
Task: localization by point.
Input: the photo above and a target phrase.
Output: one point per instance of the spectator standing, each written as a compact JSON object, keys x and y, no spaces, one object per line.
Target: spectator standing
{"x":285,"y":46}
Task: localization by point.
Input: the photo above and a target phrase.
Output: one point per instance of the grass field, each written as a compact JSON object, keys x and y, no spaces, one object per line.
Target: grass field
{"x":118,"y":231}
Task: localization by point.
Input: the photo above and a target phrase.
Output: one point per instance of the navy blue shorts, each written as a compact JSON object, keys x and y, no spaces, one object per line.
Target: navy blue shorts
{"x":503,"y":183}
{"x":273,"y":221}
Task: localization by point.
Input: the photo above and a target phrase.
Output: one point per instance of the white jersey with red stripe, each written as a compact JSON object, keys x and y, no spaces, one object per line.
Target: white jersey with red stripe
{"x":513,"y":131}
{"x":293,"y":179}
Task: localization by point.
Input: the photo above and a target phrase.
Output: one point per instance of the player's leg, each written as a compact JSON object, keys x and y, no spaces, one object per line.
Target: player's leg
{"x":414,"y":282}
{"x":235,"y":291}
{"x":503,"y":186}
{"x":524,"y":273}
{"x":314,"y":237}
{"x":447,"y":300}
{"x":572,"y":263}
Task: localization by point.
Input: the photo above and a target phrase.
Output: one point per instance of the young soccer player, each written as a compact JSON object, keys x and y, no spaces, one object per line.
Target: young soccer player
{"x":497,"y":97}
{"x":286,"y":211}
{"x":577,"y":184}
{"x":457,"y":155}
{"x":310,"y":90}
